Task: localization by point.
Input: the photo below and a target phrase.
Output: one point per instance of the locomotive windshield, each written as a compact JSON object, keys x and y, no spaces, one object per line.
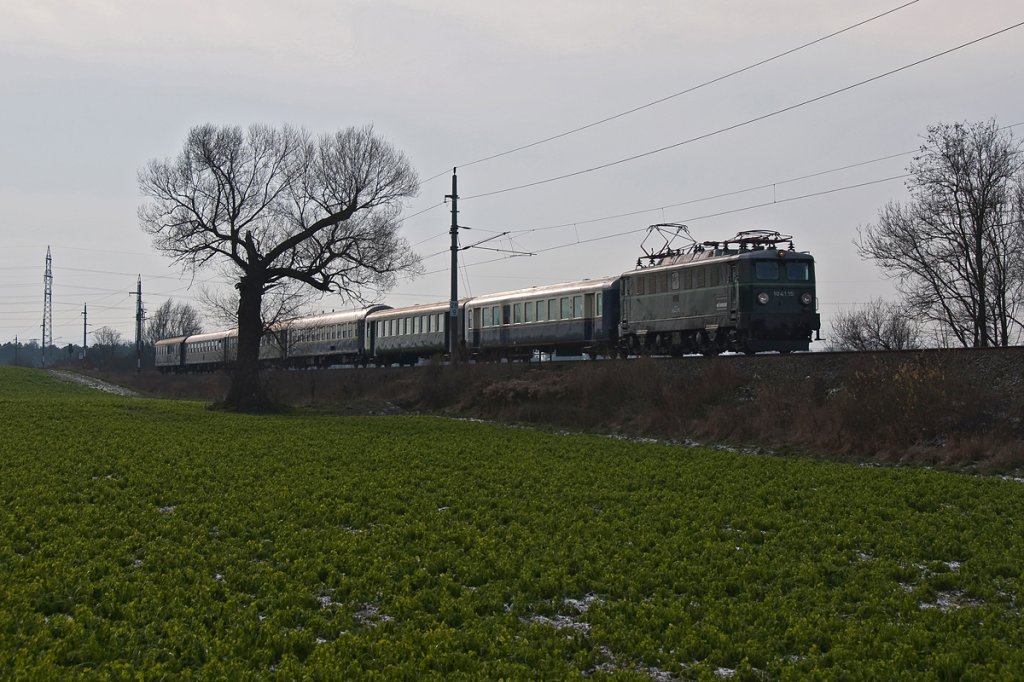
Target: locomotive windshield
{"x":798,"y":272}
{"x":767,"y":269}
{"x":795,"y":271}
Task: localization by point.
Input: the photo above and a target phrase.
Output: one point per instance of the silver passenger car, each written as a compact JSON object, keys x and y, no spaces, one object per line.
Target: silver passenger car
{"x":568,"y":319}
{"x":405,"y":335}
{"x":332,"y":338}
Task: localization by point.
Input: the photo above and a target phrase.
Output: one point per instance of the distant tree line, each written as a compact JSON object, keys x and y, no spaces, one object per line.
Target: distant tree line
{"x":109,"y":350}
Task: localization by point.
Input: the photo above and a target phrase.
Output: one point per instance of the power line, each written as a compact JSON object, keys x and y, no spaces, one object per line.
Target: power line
{"x":666,"y":98}
{"x":748,"y":121}
{"x":696,"y":218}
{"x":720,"y":195}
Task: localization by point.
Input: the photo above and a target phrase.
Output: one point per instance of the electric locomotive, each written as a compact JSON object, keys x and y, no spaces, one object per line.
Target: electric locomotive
{"x":746,"y":294}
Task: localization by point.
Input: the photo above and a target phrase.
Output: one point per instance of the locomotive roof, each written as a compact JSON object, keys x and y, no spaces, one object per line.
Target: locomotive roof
{"x":720,"y":254}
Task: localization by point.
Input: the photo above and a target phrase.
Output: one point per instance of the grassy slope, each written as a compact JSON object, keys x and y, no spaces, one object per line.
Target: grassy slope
{"x":160,"y":537}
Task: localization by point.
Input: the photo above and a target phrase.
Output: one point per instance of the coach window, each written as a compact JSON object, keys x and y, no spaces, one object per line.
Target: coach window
{"x":577,"y":306}
{"x":673,"y":281}
{"x":552,"y":309}
{"x":517,"y":313}
{"x":440,"y":322}
{"x":766,"y":270}
{"x":565,"y":308}
{"x":528,"y":311}
{"x":541,"y":308}
{"x":597,"y":302}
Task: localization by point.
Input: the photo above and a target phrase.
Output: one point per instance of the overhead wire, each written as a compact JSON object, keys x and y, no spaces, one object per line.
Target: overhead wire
{"x":691,"y":219}
{"x":747,"y":122}
{"x":674,"y":95}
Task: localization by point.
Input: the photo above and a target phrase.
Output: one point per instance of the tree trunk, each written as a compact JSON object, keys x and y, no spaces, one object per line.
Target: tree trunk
{"x":246,"y":393}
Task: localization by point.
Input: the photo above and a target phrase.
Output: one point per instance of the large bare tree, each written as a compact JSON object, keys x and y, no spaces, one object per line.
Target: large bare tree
{"x":172,"y":319}
{"x":955,"y":249}
{"x":280,"y":206}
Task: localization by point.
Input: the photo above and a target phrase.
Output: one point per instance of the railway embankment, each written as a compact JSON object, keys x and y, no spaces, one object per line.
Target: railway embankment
{"x":959,"y":409}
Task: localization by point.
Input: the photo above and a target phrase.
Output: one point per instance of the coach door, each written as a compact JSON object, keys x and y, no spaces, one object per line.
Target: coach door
{"x":734,"y":290}
{"x":475,"y":341}
{"x":588,"y":317}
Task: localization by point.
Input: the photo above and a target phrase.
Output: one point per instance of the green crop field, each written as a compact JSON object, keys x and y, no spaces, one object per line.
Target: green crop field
{"x":144,"y":539}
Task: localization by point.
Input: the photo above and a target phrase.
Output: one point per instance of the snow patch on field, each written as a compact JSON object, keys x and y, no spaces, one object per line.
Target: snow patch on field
{"x":370,"y":616}
{"x":951,"y":600}
{"x":570,"y":621}
{"x":92,"y":382}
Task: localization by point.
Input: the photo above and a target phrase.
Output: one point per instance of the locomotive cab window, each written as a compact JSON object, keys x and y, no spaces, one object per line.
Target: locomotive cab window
{"x":766,"y":270}
{"x":798,"y":272}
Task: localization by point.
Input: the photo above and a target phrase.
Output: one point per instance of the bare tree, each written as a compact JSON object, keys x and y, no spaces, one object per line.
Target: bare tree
{"x":879,"y":325}
{"x":107,"y":344}
{"x":172,"y":319}
{"x":107,"y":337}
{"x":955,"y":249}
{"x":280,"y":206}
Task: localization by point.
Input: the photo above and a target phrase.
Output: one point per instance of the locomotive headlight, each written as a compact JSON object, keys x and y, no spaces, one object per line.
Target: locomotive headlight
{"x":762,"y":298}
{"x":806,"y":298}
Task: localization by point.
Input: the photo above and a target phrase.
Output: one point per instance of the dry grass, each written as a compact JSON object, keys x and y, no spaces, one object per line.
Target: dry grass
{"x":946,"y":410}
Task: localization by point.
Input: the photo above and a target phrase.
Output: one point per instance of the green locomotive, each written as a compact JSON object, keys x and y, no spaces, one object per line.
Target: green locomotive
{"x":746,"y":294}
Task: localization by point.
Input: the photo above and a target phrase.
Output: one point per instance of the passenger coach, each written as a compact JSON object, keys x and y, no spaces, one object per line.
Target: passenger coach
{"x":331,"y":339}
{"x":564,"y":319}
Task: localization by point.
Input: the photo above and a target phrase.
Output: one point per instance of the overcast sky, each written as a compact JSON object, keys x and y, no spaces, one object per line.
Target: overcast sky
{"x":93,"y":89}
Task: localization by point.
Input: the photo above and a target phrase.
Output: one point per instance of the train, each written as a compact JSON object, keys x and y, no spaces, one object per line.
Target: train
{"x":748,"y":294}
